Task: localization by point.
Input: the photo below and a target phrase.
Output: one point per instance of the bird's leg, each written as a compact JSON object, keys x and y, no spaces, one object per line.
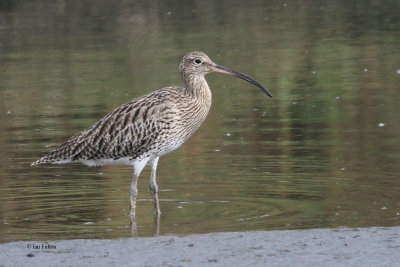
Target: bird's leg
{"x":133,"y":226}
{"x":156,"y":224}
{"x":153,"y":185}
{"x":137,"y":169}
{"x":133,"y":194}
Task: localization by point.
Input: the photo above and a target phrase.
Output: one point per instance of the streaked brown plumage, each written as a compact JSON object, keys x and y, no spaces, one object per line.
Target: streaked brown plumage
{"x":140,"y":131}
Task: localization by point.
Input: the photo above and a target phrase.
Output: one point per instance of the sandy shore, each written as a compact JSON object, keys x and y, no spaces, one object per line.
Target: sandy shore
{"x":320,"y":247}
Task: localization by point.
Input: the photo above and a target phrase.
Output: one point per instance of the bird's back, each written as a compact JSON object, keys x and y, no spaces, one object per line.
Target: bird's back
{"x":149,"y":126}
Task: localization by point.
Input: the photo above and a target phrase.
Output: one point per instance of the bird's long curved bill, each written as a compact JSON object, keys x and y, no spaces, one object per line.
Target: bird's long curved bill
{"x":225,"y":70}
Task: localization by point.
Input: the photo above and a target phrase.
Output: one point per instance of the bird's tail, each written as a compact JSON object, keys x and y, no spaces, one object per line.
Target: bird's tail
{"x":58,"y":155}
{"x":66,"y":152}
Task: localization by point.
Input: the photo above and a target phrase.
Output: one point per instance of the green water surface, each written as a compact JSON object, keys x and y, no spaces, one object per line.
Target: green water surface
{"x":323,"y":152}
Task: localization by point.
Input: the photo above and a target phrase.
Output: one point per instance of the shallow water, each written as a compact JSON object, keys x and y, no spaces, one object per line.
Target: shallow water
{"x":323,"y":152}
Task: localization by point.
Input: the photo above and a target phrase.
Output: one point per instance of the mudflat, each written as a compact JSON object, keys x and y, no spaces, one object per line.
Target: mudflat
{"x":374,"y":246}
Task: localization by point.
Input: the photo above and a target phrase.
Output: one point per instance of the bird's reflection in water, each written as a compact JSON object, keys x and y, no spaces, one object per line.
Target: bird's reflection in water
{"x":157,"y":214}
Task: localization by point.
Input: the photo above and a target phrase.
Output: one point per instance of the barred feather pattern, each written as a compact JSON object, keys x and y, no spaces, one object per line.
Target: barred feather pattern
{"x":146,"y":127}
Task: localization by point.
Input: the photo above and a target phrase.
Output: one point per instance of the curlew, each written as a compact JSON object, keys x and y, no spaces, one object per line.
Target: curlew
{"x":139,"y":132}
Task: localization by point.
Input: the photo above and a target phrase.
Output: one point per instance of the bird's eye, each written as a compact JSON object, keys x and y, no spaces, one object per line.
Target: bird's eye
{"x":197,"y":61}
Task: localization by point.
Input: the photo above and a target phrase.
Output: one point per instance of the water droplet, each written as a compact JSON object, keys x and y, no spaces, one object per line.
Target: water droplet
{"x":381,"y":124}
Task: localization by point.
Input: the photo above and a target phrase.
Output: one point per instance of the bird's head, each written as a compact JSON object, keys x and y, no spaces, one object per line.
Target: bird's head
{"x":199,"y":64}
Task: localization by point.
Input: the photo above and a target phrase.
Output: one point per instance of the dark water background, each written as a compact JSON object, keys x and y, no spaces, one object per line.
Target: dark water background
{"x":323,"y":152}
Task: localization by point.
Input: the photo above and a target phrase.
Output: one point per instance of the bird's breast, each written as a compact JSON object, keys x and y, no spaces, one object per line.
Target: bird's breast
{"x":192,"y":114}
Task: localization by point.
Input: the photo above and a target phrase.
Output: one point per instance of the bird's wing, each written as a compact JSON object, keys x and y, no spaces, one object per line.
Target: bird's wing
{"x":127,"y":131}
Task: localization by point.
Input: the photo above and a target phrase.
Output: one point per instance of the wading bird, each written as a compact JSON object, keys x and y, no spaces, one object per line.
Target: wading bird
{"x":148,"y":127}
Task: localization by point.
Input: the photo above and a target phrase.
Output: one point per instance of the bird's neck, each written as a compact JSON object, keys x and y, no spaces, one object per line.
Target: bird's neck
{"x":197,"y":87}
{"x":197,"y":104}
